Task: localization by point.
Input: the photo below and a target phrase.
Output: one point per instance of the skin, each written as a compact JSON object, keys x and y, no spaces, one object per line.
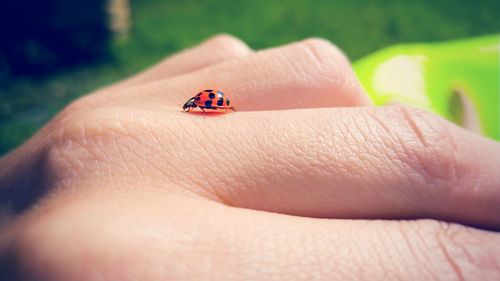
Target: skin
{"x":307,"y":181}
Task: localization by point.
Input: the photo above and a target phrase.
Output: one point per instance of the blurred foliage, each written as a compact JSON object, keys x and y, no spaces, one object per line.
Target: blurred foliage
{"x":161,"y":27}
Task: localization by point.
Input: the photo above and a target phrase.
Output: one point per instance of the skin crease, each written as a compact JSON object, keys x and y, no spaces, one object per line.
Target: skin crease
{"x":126,"y":186}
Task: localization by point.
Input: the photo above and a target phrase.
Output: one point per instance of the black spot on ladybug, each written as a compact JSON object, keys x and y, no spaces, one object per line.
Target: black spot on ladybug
{"x":208,"y":103}
{"x":211,"y":95}
{"x":227,"y":101}
{"x":208,"y":91}
{"x":199,"y":94}
{"x":197,"y":98}
{"x":220,"y":101}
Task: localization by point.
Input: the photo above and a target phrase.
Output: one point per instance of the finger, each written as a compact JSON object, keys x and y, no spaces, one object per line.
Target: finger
{"x":312,"y":73}
{"x":390,"y":162}
{"x":305,"y":249}
{"x":152,"y":240}
{"x":215,"y":50}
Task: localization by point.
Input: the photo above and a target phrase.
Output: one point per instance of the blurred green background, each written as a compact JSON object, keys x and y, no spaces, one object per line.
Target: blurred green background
{"x":161,"y":27}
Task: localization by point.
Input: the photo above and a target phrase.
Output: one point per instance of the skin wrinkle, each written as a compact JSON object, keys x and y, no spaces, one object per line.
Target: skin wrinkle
{"x":70,"y":149}
{"x":213,"y":138}
{"x":385,"y":253}
{"x":413,"y":125}
{"x":404,"y":239}
{"x":182,"y":179}
{"x":248,"y":87}
{"x":208,"y":227}
{"x":451,"y":234}
{"x":421,"y":170}
{"x":437,"y":139}
{"x":316,"y":167}
{"x":304,"y":257}
{"x":386,"y":261}
{"x":357,"y":265}
{"x":132,"y":150}
{"x":408,"y":243}
{"x":300,"y":155}
{"x":313,"y":258}
{"x":100,"y":145}
{"x":195,"y":184}
{"x":238,"y":159}
{"x":260,"y":155}
{"x":296,"y":68}
{"x":177,"y":175}
{"x":468,"y":178}
{"x":464,"y":242}
{"x":375,"y":163}
{"x":125,"y":144}
{"x":75,"y":165}
{"x":320,"y":54}
{"x":140,"y":143}
{"x":425,"y":172}
{"x":367,"y":159}
{"x":90,"y":164}
{"x":426,"y":246}
{"x":211,"y":254}
{"x":451,"y":262}
{"x":387,"y":147}
{"x":239,"y":182}
{"x":128,"y":147}
{"x":370,"y":163}
{"x":211,"y":152}
{"x":331,"y":157}
{"x":340,"y":242}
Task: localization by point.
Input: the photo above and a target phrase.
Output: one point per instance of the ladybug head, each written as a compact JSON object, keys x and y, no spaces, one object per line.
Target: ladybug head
{"x":190,"y":103}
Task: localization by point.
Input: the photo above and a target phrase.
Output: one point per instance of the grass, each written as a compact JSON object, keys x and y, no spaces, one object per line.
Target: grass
{"x":163,"y":27}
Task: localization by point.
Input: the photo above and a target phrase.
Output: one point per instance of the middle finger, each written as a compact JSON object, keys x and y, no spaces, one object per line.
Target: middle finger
{"x":308,"y":74}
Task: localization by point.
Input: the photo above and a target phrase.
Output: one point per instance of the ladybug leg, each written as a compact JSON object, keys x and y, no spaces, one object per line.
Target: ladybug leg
{"x":205,"y":113}
{"x":232,"y":108}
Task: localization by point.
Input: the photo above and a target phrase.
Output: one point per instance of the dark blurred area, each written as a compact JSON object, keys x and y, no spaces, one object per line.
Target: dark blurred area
{"x":39,"y":36}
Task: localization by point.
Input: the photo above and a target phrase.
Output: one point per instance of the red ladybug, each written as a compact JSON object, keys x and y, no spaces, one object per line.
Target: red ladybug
{"x":209,"y":99}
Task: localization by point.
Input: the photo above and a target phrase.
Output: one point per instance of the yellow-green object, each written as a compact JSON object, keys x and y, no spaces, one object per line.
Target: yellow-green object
{"x":460,"y":80}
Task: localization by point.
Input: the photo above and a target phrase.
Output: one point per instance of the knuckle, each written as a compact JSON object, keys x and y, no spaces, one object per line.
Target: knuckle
{"x":228,"y":44}
{"x":89,"y":141}
{"x":78,"y":125}
{"x":323,"y":52}
{"x":468,"y":253}
{"x":84,"y":139}
{"x":328,"y":68}
{"x":428,"y":146}
{"x":451,"y":250}
{"x":72,"y":143}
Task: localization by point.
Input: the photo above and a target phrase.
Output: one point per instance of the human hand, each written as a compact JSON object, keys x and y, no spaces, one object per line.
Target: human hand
{"x":123,"y":185}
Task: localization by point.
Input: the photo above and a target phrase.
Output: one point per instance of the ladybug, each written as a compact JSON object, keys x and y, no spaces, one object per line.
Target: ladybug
{"x":208,"y":99}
